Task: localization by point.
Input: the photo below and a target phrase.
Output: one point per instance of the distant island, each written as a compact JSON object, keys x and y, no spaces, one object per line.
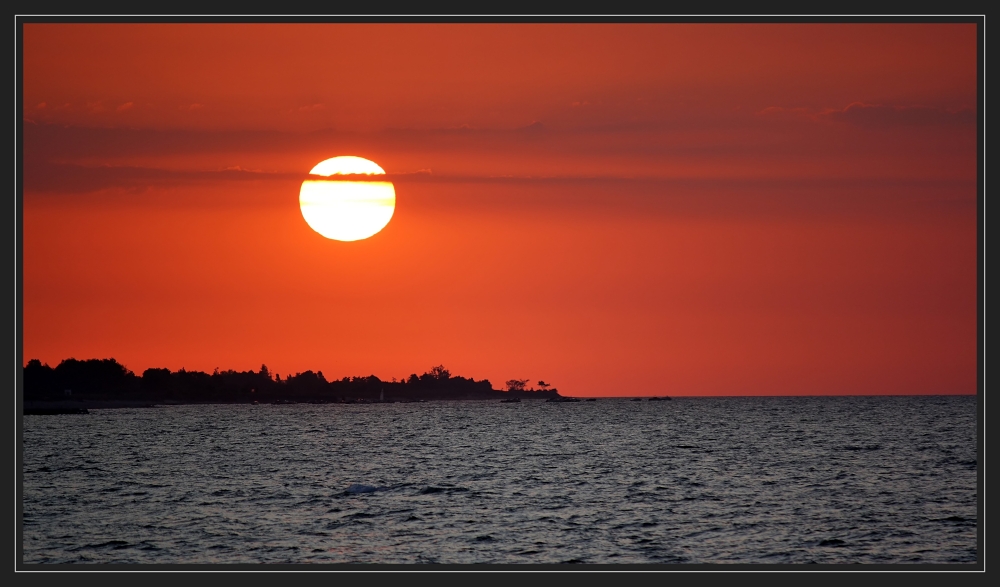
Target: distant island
{"x":106,"y":381}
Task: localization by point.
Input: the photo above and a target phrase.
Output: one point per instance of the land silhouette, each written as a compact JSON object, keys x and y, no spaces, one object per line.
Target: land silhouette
{"x":97,"y":381}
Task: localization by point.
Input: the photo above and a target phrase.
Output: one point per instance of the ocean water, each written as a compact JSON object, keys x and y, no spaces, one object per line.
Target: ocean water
{"x":699,"y":480}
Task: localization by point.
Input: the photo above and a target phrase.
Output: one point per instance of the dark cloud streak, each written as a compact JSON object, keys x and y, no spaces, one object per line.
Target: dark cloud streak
{"x":66,"y":143}
{"x":876,"y":116}
{"x":69,"y":179}
{"x":74,"y":179}
{"x":885,"y":116}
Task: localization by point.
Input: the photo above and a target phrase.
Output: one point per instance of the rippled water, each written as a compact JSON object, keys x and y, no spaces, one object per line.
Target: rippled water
{"x":768,"y":480}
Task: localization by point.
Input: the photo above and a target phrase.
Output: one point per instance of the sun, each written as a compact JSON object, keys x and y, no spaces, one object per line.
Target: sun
{"x":342,"y":209}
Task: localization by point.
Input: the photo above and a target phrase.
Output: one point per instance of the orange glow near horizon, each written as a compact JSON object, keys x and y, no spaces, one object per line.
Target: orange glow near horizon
{"x":654,"y":209}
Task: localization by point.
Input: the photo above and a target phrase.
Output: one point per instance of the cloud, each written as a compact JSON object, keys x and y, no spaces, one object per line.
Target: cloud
{"x":796,"y":147}
{"x":43,"y":177}
{"x":782,"y":112}
{"x":75,"y":179}
{"x":124,"y":107}
{"x":56,"y":142}
{"x":68,"y":178}
{"x":872,"y":116}
{"x":535,"y":126}
{"x":883,"y":116}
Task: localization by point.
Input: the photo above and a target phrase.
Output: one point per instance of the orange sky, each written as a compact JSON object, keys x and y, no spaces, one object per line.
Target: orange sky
{"x":640,"y":209}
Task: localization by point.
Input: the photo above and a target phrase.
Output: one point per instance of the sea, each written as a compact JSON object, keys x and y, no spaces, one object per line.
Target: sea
{"x":657,"y":484}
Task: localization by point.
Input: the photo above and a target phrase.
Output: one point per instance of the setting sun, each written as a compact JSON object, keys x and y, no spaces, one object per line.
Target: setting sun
{"x":347,"y":210}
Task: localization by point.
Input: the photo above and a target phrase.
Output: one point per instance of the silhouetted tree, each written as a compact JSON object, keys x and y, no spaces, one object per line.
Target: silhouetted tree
{"x":40,"y":380}
{"x":157,"y":380}
{"x":193,"y":385}
{"x":439,"y":372}
{"x":96,"y":376}
{"x":516,"y":384}
{"x":307,"y":384}
{"x":108,"y":379}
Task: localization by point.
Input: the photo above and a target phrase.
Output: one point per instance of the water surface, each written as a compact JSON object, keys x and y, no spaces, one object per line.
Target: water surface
{"x":706,"y":480}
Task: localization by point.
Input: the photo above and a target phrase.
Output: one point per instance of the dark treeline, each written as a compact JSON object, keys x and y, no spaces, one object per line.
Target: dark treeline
{"x":106,"y":379}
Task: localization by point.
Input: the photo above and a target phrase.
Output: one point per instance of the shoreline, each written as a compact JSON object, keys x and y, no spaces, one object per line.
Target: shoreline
{"x":118,"y":404}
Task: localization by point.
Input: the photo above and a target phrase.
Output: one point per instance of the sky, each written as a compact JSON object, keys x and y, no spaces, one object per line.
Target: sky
{"x":615,"y":209}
